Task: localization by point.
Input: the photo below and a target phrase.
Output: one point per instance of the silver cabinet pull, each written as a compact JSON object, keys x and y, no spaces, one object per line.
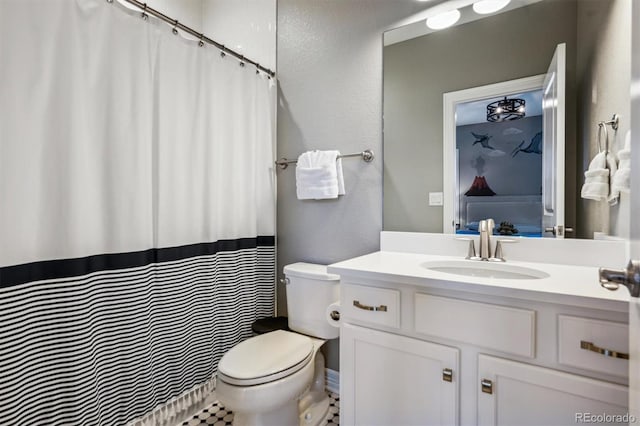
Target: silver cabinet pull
{"x":447,"y":375}
{"x":357,"y":304}
{"x":487,"y":386}
{"x":606,"y":352}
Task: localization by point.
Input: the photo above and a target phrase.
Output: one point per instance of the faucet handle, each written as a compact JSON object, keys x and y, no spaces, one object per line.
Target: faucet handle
{"x":471,"y":252}
{"x":486,"y":225}
{"x":490,"y":226}
{"x":498,"y":256}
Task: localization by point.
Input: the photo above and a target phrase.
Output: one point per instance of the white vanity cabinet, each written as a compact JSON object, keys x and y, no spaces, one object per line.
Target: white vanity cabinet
{"x":515,"y":393}
{"x":411,"y":354}
{"x":396,"y":379}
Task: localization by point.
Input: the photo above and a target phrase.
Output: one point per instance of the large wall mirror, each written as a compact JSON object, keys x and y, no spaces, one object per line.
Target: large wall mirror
{"x":450,"y":156}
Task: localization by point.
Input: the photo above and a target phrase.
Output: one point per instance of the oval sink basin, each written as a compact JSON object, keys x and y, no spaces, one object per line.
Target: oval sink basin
{"x":471,"y":268}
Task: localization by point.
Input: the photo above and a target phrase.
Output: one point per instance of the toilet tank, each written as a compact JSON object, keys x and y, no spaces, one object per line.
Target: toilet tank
{"x":310,"y":290}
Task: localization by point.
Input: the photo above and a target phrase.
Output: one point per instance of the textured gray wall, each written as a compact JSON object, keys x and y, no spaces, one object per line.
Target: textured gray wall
{"x":330,"y":77}
{"x":420,"y":70}
{"x":604,"y":77}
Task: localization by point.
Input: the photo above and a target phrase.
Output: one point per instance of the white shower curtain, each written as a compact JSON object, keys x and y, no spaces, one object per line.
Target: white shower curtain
{"x":137,"y":218}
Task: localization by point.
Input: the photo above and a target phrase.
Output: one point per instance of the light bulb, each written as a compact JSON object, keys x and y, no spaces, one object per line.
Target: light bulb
{"x":499,"y":110}
{"x":521,"y":109}
{"x":443,"y":20}
{"x":484,"y":7}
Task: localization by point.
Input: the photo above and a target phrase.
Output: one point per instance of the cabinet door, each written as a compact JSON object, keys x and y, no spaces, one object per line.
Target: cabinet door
{"x":386,"y":379}
{"x":515,"y":393}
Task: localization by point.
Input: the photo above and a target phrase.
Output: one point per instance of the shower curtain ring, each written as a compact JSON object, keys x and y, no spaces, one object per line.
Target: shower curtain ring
{"x":222,"y":52}
{"x":242,"y":64}
{"x":201,"y":42}
{"x":175,"y":28}
{"x":109,"y":1}
{"x":144,"y":15}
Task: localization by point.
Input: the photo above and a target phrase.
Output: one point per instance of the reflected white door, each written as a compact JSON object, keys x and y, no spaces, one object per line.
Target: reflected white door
{"x":553,"y":129}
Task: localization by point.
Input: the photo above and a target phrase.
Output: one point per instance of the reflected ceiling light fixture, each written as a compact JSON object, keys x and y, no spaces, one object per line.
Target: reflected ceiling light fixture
{"x":445,"y":14}
{"x":506,"y":109}
{"x":443,"y":20}
{"x":484,"y":7}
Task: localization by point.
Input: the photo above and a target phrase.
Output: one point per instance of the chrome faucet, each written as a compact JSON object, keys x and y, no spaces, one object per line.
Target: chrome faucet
{"x":486,"y":229}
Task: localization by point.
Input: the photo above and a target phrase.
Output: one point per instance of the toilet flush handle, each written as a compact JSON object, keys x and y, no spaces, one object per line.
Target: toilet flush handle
{"x":284,"y":281}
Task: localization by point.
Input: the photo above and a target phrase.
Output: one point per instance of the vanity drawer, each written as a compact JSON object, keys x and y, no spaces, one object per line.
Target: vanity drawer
{"x":594,"y":345}
{"x":371,"y":304}
{"x":500,"y":328}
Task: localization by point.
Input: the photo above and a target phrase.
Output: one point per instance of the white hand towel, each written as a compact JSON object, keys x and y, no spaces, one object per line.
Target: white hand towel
{"x":317,"y":175}
{"x":621,"y":181}
{"x":596,"y":179}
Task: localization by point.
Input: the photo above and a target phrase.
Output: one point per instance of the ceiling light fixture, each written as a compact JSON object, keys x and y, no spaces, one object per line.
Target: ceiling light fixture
{"x":484,"y":7}
{"x":506,"y":110}
{"x":443,"y":20}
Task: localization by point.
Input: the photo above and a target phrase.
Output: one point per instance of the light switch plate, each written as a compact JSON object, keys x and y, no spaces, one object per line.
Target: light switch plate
{"x":435,"y":198}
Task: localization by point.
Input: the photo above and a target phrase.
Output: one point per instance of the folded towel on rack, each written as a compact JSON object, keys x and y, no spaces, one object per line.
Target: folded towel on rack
{"x":596,"y":179}
{"x":621,"y":181}
{"x":319,"y":175}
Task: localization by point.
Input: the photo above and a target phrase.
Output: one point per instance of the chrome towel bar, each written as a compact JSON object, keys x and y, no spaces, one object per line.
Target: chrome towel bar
{"x":367,"y":156}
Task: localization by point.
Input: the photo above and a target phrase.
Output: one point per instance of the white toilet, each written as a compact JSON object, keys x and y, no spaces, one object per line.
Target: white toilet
{"x":277,"y":378}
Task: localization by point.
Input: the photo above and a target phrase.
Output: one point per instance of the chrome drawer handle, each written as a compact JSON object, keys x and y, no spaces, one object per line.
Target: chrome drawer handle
{"x":486,"y":386}
{"x":606,"y":352}
{"x":447,"y":375}
{"x":381,"y":308}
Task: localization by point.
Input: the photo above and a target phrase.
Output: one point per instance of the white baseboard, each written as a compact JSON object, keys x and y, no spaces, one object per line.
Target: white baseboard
{"x":332,"y":380}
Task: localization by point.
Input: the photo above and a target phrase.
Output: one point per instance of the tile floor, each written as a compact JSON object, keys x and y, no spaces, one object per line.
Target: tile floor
{"x":217,"y":415}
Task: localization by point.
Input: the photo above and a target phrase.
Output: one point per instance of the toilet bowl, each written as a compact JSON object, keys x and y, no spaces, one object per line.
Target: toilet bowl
{"x":277,"y":378}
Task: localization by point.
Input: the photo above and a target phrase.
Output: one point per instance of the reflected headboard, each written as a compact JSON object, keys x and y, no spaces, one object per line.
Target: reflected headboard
{"x":517,"y":209}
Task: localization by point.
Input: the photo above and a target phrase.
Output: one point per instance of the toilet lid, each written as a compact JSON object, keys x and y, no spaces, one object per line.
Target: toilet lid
{"x":265,"y":358}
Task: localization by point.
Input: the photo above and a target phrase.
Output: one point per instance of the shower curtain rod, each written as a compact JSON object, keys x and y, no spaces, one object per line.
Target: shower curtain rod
{"x":200,"y":36}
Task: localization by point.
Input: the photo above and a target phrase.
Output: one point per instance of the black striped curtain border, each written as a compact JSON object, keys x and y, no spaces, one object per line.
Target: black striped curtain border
{"x":66,"y":268}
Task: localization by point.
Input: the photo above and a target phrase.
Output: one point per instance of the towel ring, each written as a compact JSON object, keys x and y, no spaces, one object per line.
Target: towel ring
{"x":603,"y":125}
{"x":614,"y":123}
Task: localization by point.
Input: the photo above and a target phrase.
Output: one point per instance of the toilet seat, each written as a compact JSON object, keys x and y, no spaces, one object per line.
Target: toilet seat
{"x":265,"y":358}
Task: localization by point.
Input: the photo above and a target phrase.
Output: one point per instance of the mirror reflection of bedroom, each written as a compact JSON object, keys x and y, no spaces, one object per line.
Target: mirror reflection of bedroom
{"x":499,"y":164}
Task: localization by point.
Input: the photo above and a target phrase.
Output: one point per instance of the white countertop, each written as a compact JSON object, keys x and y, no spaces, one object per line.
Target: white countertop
{"x":566,"y":284}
